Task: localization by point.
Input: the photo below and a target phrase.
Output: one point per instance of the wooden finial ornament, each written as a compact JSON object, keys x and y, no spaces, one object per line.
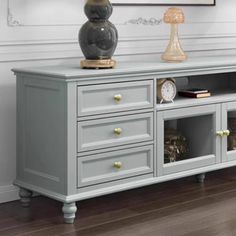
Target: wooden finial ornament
{"x":174,"y":51}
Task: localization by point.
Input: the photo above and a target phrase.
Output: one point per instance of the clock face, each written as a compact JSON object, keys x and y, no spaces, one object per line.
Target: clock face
{"x":168,"y":90}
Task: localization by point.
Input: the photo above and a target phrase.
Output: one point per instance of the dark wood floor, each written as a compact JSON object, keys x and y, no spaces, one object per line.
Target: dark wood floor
{"x":180,"y":207}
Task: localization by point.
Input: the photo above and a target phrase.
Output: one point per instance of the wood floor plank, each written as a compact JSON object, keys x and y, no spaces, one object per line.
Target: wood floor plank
{"x":193,"y":216}
{"x":179,"y":208}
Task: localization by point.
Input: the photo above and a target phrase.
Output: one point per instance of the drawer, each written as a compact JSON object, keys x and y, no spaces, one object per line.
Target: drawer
{"x":106,"y":98}
{"x":115,"y":165}
{"x":108,"y":132}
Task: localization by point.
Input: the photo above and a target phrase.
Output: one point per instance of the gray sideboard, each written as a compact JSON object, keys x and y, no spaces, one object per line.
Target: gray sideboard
{"x":86,"y":133}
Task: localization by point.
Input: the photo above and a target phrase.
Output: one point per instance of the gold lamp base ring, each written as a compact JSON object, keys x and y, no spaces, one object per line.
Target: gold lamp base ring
{"x":98,"y":64}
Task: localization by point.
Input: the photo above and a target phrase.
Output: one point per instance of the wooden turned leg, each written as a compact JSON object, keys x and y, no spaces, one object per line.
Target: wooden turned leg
{"x":200,"y":178}
{"x":69,"y":210}
{"x":25,"y":197}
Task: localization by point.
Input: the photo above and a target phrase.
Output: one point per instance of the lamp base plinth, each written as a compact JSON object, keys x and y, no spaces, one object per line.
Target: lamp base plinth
{"x":174,"y":58}
{"x":98,"y":64}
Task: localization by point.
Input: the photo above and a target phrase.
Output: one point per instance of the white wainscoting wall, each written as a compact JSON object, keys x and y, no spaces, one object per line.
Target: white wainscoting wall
{"x":34,"y":33}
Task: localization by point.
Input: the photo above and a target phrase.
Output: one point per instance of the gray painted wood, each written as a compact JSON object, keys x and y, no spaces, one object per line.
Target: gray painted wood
{"x":226,"y":109}
{"x":71,"y":137}
{"x":200,"y":178}
{"x":200,"y":130}
{"x":99,"y":99}
{"x":25,"y":197}
{"x":69,"y":210}
{"x":155,"y":131}
{"x":122,"y":186}
{"x":66,"y":144}
{"x":100,"y":133}
{"x":41,"y":133}
{"x":216,"y":98}
{"x":193,"y":66}
{"x":100,"y":168}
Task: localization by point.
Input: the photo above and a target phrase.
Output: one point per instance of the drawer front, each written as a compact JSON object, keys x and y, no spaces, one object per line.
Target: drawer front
{"x":102,"y":133}
{"x":106,"y":98}
{"x":115,"y":165}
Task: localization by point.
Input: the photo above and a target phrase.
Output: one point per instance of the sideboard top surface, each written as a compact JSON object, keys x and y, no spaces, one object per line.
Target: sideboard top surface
{"x":193,"y":66}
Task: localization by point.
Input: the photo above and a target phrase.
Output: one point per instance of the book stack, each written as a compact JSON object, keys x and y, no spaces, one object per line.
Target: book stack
{"x":195,"y":93}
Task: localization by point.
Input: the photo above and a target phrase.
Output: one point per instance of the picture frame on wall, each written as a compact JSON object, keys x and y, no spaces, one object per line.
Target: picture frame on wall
{"x":165,"y":2}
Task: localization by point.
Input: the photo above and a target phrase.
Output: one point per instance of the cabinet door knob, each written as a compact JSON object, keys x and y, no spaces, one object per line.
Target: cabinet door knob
{"x":220,"y":133}
{"x":226,"y":132}
{"x":118,"y":131}
{"x":117,"y":97}
{"x":117,"y":165}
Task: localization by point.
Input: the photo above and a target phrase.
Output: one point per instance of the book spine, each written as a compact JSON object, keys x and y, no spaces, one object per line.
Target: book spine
{"x":191,"y":95}
{"x":185,"y":94}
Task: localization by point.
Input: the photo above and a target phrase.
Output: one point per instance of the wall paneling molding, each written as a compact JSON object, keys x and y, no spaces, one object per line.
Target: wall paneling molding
{"x":144,"y":21}
{"x":42,"y":13}
{"x":11,"y":21}
{"x":63,"y":49}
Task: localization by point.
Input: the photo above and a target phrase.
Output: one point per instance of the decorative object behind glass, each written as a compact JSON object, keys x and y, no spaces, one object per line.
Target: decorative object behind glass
{"x":174,"y":51}
{"x":175,"y":146}
{"x":188,"y":138}
{"x":98,"y":36}
{"x":232,"y":131}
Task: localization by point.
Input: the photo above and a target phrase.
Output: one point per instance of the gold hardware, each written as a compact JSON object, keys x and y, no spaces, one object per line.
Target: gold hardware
{"x":226,"y":132}
{"x":96,"y":64}
{"x":117,"y":164}
{"x":118,"y":131}
{"x":118,"y":97}
{"x":220,"y":133}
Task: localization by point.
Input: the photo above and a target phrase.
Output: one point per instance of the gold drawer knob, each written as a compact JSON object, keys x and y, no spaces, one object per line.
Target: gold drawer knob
{"x":118,"y":131}
{"x":117,"y":97}
{"x":220,"y":133}
{"x":117,"y":165}
{"x":226,"y":132}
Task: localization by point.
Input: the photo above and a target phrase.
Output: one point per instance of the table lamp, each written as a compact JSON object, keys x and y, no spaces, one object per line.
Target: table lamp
{"x":174,"y":51}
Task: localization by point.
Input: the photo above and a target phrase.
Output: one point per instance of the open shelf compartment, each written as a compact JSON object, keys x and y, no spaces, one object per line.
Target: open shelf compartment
{"x":221,"y":86}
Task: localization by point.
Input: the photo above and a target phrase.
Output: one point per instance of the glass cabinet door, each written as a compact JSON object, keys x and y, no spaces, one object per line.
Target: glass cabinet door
{"x":186,"y":138}
{"x":229,"y":131}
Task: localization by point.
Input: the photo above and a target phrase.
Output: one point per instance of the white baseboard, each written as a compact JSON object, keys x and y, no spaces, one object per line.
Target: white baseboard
{"x":8,"y":193}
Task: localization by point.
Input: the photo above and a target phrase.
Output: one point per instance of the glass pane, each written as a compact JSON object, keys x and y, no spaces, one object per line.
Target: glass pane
{"x":232,"y":129}
{"x":188,"y":138}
